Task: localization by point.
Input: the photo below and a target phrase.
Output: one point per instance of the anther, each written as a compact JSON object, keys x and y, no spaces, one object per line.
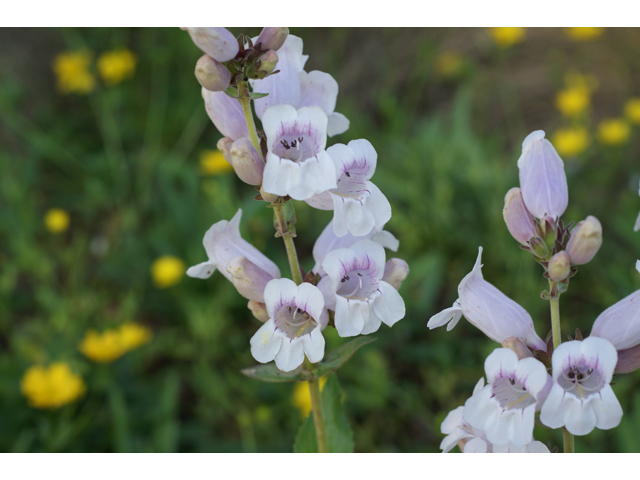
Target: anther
{"x":512,"y":381}
{"x":285,"y":144}
{"x":300,"y":139}
{"x":293,"y":143}
{"x":347,"y":174}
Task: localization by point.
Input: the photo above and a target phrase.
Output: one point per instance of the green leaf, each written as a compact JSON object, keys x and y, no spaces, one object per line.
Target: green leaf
{"x":256,"y":95}
{"x":332,"y":362}
{"x":339,"y":433}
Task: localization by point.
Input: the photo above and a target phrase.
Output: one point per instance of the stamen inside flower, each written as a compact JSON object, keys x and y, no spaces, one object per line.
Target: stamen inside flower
{"x":581,"y":380}
{"x":294,"y":321}
{"x":359,"y":281}
{"x":510,"y":393}
{"x":353,"y":183}
{"x":295,"y":145}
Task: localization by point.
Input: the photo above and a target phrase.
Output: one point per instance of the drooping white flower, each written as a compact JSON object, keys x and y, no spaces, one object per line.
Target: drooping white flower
{"x":358,"y":205}
{"x":490,"y":310}
{"x":251,"y":268}
{"x":297,"y":163}
{"x":297,"y":88}
{"x":505,"y":408}
{"x":581,"y":397}
{"x":354,"y":288}
{"x":329,"y":241}
{"x":542,"y":179}
{"x":296,"y":320}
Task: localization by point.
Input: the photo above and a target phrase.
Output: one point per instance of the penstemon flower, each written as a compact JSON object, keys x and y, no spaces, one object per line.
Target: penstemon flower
{"x":490,"y":310}
{"x":358,"y":205}
{"x":296,"y":320}
{"x":354,"y":288}
{"x":581,"y":397}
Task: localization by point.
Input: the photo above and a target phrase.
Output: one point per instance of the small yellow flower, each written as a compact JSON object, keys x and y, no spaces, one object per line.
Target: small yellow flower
{"x":301,"y":398}
{"x":72,"y":72}
{"x":632,"y":110}
{"x":56,"y":220}
{"x":449,"y":64}
{"x":573,"y":101}
{"x":613,"y":131}
{"x":584,"y":34}
{"x":212,"y":162}
{"x":167,"y":271}
{"x":102,"y":347}
{"x":570,"y":141}
{"x":117,"y":65}
{"x":133,"y":335}
{"x":506,"y":36}
{"x":52,"y":386}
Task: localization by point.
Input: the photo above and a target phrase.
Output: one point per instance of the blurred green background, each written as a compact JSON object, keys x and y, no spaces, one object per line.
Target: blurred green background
{"x":117,"y":144}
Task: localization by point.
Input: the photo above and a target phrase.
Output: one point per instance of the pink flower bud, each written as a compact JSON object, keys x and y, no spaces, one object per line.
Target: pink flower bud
{"x":246,"y":162}
{"x":211,"y":74}
{"x":395,"y":271}
{"x":585,"y":241}
{"x":520,"y":349}
{"x":520,"y":222}
{"x":272,"y":38}
{"x":542,"y":178}
{"x":226,"y":114}
{"x":259,"y":310}
{"x":217,"y":42}
{"x":620,"y":323}
{"x":249,"y":279}
{"x":268,"y":61}
{"x":559,"y":266}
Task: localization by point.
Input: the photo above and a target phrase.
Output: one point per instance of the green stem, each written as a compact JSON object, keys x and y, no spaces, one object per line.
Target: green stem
{"x":287,"y":236}
{"x":567,"y":438}
{"x":245,"y":101}
{"x":316,"y":408}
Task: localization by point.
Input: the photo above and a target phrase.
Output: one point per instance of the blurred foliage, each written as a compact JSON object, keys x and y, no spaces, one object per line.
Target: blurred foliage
{"x":446,"y":109}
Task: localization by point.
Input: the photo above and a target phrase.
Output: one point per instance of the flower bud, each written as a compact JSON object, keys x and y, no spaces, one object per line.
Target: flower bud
{"x":620,"y":323}
{"x":268,"y":197}
{"x":246,"y":162}
{"x":395,"y":271}
{"x":224,"y":144}
{"x":585,"y":241}
{"x":268,"y":61}
{"x":211,"y":74}
{"x":520,"y":349}
{"x":272,"y":38}
{"x":519,"y":221}
{"x":559,"y":266}
{"x":549,"y":231}
{"x":249,"y":279}
{"x":628,"y":360}
{"x":259,"y":310}
{"x":538,"y":247}
{"x":217,"y":42}
{"x":542,"y":178}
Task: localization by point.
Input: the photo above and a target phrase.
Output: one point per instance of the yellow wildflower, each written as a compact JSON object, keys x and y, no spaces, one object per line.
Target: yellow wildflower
{"x":212,"y":162}
{"x":56,"y":220}
{"x":51,"y":387}
{"x":584,"y":34}
{"x":301,"y":398}
{"x":613,"y":131}
{"x":102,"y":347}
{"x":117,"y":65}
{"x":573,"y":100}
{"x":448,"y":64}
{"x":132,"y":335}
{"x":632,"y":110}
{"x":72,"y":71}
{"x":570,"y":141}
{"x":506,"y":36}
{"x":166,"y":271}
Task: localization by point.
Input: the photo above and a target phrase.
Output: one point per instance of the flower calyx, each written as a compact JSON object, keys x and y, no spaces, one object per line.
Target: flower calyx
{"x":251,"y":62}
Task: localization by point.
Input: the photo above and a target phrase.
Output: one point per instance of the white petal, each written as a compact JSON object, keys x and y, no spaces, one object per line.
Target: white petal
{"x":319,"y":89}
{"x":387,"y":240}
{"x":349,"y":318}
{"x":499,"y":361}
{"x":363,"y":150}
{"x":275,"y":180}
{"x":452,"y":421}
{"x":274,"y":119}
{"x":537,"y":447}
{"x":607,"y":409}
{"x":328,"y":288}
{"x":313,"y":345}
{"x":604,"y":354}
{"x":372,"y":324}
{"x":338,"y":124}
{"x":309,"y":298}
{"x":291,"y":355}
{"x":379,"y":206}
{"x":374,"y":252}
{"x":333,"y":263}
{"x":390,"y":305}
{"x":321,"y":201}
{"x":475,"y":445}
{"x":479,"y":407}
{"x":314,"y":118}
{"x":202,"y":270}
{"x":556,"y":407}
{"x":580,"y":419}
{"x":265,"y":344}
{"x":451,"y":314}
{"x":279,"y":291}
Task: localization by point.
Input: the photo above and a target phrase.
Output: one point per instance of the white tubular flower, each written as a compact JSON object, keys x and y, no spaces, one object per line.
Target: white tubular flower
{"x":354,"y":288}
{"x":620,"y":323}
{"x":490,"y":310}
{"x":581,"y":397}
{"x":297,"y":163}
{"x":542,"y":179}
{"x":357,"y":204}
{"x":223,"y":242}
{"x":329,"y":241}
{"x":505,"y":408}
{"x":296,"y":319}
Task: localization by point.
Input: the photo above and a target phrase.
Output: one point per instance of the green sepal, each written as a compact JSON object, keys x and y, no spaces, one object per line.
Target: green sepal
{"x":339,"y":433}
{"x":256,"y":95}
{"x":232,"y":92}
{"x":332,"y":362}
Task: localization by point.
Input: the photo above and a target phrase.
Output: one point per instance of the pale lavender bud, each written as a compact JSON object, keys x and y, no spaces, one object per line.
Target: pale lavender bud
{"x":249,"y":279}
{"x":395,"y":271}
{"x":226,"y":114}
{"x":272,"y":38}
{"x":520,"y":349}
{"x":542,"y":178}
{"x":620,"y":323}
{"x":218,"y":42}
{"x":628,"y":360}
{"x":246,"y":161}
{"x":224,"y":144}
{"x":211,"y":74}
{"x":520,"y":222}
{"x":268,"y":197}
{"x":259,"y":310}
{"x":585,"y":241}
{"x":559,"y":266}
{"x":268,"y":61}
